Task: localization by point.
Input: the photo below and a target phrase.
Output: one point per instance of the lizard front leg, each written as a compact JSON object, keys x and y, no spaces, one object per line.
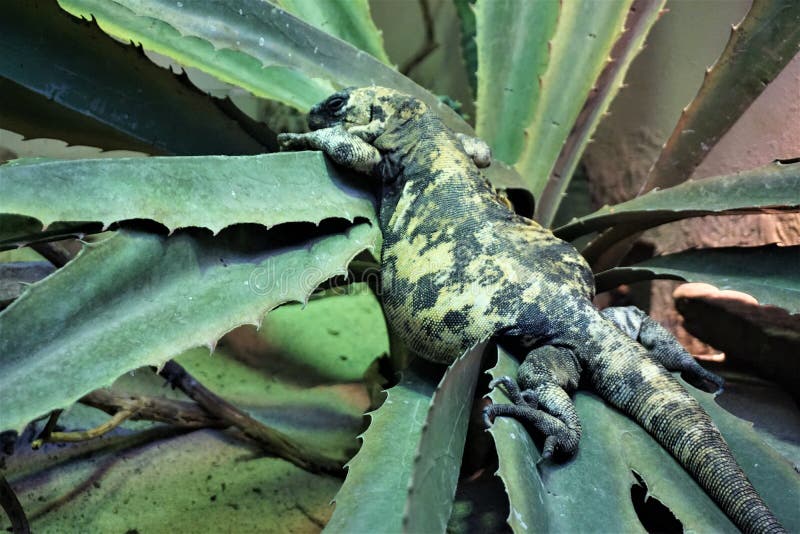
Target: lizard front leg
{"x":546,"y":377}
{"x":660,"y":343}
{"x":340,"y":145}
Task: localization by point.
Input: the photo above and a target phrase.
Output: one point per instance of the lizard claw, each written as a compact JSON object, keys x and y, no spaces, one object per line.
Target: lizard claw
{"x":291,"y":141}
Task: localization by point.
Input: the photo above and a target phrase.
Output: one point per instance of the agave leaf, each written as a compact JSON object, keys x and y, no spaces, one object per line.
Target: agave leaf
{"x":469,"y":47}
{"x":767,"y":273}
{"x":592,"y":491}
{"x":156,"y":297}
{"x":770,"y":188}
{"x":66,"y":79}
{"x":390,"y":442}
{"x":579,"y":50}
{"x":641,"y":17}
{"x":348,"y":20}
{"x":252,"y":44}
{"x":211,"y":192}
{"x":758,"y":49}
{"x":510,"y":70}
{"x":441,"y":446}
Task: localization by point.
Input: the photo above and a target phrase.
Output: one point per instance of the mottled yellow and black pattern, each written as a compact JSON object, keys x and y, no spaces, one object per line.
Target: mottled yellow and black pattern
{"x":459,"y":267}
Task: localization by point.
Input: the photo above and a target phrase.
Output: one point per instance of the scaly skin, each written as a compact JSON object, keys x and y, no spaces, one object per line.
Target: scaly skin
{"x":459,"y":267}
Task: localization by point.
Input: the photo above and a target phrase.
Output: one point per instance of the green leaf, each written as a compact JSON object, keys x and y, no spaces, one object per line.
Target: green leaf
{"x":469,"y":47}
{"x":579,"y":50}
{"x":66,"y":79}
{"x":592,"y":491}
{"x":348,"y":20}
{"x":770,"y":273}
{"x":758,"y":49}
{"x":252,"y":44}
{"x":643,"y":14}
{"x":773,"y":187}
{"x":441,"y":446}
{"x":510,"y":69}
{"x":156,"y":297}
{"x":390,"y":444}
{"x":211,"y":192}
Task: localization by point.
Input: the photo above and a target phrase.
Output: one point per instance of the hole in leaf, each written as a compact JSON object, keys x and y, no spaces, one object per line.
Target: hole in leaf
{"x":654,"y":516}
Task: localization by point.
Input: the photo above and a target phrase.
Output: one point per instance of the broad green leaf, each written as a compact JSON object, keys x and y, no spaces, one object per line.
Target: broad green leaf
{"x":770,"y":273}
{"x":348,"y":20}
{"x":758,"y":49}
{"x":441,"y":446}
{"x":579,"y":50}
{"x":769,"y":188}
{"x":513,"y":40}
{"x":211,"y":192}
{"x":469,"y":47}
{"x":373,"y":496}
{"x":643,"y":14}
{"x":160,"y":480}
{"x":261,"y":48}
{"x":139,"y":299}
{"x":66,"y":79}
{"x":252,"y":44}
{"x":591,"y":492}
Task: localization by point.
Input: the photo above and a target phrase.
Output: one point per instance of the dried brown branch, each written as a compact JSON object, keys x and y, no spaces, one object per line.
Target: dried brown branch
{"x":270,"y":439}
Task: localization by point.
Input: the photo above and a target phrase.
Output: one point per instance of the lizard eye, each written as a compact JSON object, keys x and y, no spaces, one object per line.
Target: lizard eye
{"x":335,"y":103}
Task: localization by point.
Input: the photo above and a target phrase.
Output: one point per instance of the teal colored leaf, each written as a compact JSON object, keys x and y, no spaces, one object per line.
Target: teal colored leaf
{"x":441,"y":446}
{"x":252,"y":44}
{"x":348,"y":20}
{"x":641,"y":17}
{"x":770,"y":273}
{"x":139,"y":299}
{"x":773,"y":187}
{"x":390,"y":442}
{"x":469,"y":47}
{"x":757,"y":51}
{"x":513,"y":42}
{"x":66,"y":79}
{"x":579,"y":50}
{"x":592,"y":491}
{"x":211,"y":192}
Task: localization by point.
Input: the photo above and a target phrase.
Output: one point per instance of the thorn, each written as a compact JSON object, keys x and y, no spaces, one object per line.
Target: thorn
{"x":212,"y":346}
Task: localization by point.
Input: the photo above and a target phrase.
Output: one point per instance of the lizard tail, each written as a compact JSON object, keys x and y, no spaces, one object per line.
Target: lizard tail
{"x":622,"y":373}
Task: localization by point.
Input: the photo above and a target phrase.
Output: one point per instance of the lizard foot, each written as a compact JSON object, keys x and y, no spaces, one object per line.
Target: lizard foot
{"x":544,"y":404}
{"x":663,"y":346}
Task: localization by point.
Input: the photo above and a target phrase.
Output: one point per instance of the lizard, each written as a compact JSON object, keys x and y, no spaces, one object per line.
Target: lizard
{"x":459,"y":266}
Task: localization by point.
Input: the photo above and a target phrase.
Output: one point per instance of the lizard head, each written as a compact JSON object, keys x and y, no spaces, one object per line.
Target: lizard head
{"x":359,"y":106}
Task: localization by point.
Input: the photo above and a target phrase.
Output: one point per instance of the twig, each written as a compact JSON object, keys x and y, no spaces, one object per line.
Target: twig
{"x":13,"y":508}
{"x":174,"y":412}
{"x":48,"y":429}
{"x":85,"y":435}
{"x":430,"y":43}
{"x":272,"y":440}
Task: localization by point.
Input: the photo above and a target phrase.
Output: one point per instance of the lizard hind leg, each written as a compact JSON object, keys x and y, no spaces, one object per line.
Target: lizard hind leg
{"x":661,"y":345}
{"x":540,"y":398}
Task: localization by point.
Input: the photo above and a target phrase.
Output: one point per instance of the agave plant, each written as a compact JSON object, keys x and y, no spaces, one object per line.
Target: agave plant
{"x":218,"y":230}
